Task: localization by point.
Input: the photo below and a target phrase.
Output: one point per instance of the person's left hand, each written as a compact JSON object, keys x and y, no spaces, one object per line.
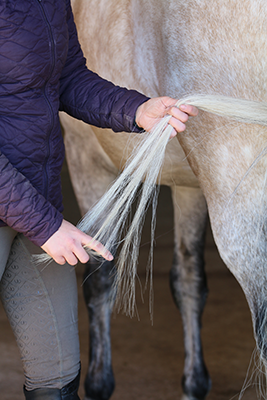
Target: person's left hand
{"x":150,"y":112}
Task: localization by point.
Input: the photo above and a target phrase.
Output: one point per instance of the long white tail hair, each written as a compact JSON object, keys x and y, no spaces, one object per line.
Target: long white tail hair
{"x":108,"y":221}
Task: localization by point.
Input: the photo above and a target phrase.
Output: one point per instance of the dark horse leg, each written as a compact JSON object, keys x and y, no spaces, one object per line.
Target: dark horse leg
{"x":188,"y":284}
{"x":87,"y":160}
{"x":99,"y":383}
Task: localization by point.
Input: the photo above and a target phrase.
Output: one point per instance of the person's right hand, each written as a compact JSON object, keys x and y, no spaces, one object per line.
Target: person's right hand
{"x":66,"y":245}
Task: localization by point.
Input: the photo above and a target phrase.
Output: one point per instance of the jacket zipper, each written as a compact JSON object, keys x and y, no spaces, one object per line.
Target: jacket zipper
{"x":52,"y":51}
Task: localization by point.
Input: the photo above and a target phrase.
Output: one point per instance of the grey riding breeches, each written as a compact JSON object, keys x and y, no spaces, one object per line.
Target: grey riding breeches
{"x":41,"y":305}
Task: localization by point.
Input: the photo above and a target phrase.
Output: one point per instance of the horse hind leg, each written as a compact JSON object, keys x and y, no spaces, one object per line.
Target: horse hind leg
{"x":91,"y":173}
{"x":188,"y":285}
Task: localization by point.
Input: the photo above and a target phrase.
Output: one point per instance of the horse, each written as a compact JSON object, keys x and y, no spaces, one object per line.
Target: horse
{"x":174,"y":48}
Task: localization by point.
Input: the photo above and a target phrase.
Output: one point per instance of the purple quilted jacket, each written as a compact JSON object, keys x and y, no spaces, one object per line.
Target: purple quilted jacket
{"x":42,"y":71}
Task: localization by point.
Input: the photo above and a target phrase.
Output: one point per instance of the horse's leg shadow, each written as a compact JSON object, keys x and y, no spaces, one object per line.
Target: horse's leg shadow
{"x":99,"y":382}
{"x":188,"y":285}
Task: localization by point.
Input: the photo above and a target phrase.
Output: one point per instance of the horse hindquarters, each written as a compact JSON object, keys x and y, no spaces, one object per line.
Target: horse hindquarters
{"x":188,"y":284}
{"x":234,"y":184}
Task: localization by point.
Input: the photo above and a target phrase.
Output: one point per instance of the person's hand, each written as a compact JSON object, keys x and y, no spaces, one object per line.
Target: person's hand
{"x":66,"y":245}
{"x":150,"y":112}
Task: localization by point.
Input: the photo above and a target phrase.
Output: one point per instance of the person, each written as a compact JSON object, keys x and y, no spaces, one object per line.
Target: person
{"x":42,"y":72}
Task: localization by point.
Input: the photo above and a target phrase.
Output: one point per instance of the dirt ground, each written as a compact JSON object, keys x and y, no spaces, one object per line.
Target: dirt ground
{"x":148,"y":359}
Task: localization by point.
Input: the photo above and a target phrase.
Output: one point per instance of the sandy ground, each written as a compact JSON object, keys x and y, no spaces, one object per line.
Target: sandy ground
{"x":148,"y":359}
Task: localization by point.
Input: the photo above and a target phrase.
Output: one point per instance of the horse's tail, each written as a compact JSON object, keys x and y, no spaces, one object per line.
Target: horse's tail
{"x":242,"y":110}
{"x":145,"y":165}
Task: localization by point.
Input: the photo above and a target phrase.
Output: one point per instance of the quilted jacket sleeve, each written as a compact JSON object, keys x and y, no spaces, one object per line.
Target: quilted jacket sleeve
{"x":86,"y":96}
{"x":23,"y":208}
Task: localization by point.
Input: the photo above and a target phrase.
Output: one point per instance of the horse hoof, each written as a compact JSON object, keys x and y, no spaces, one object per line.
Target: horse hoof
{"x":186,"y":397}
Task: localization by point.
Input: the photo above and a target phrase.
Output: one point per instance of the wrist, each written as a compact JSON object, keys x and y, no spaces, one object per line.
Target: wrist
{"x":138,"y":116}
